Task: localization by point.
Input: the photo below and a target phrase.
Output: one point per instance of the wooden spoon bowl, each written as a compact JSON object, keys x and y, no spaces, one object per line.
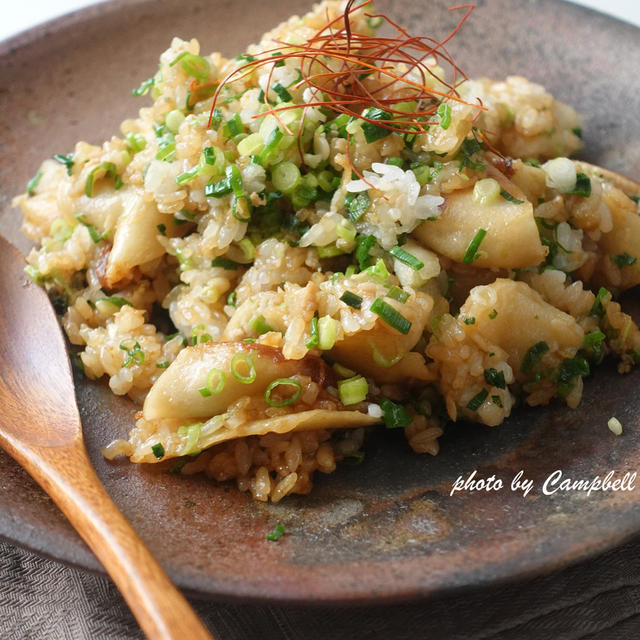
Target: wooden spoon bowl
{"x":41,"y":429}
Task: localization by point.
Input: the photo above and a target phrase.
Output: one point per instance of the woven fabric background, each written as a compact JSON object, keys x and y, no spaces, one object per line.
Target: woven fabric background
{"x":596,"y":600}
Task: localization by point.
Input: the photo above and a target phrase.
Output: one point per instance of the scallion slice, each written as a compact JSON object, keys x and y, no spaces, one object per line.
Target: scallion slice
{"x":67,"y":161}
{"x":407,"y":258}
{"x":276,"y":534}
{"x":509,"y":198}
{"x":33,"y":183}
{"x":351,"y":299}
{"x":225,"y":263}
{"x":193,"y":65}
{"x":472,"y":250}
{"x":392,"y":317}
{"x":286,"y":401}
{"x":110,"y":172}
{"x":314,"y":335}
{"x":533,"y":355}
{"x":216,"y":380}
{"x":260,"y":325}
{"x":158,"y":450}
{"x":352,"y":390}
{"x":444,"y":111}
{"x":476,"y":402}
{"x":395,"y":415}
{"x":495,"y":378}
{"x":396,"y":293}
{"x":243,"y":361}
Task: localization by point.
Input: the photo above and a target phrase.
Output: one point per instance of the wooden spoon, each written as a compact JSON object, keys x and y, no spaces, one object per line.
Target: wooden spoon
{"x":40,"y":427}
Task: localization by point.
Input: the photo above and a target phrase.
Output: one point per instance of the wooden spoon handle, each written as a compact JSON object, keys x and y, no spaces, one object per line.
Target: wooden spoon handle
{"x":66,"y":474}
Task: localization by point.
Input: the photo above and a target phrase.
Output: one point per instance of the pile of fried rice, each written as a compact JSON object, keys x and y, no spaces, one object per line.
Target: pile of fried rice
{"x":324,"y":273}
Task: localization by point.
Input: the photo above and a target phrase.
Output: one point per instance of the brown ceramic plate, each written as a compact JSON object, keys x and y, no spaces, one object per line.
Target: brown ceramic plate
{"x":387,"y":528}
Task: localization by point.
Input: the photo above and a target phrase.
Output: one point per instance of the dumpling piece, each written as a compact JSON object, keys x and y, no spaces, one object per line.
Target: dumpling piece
{"x":511,"y":239}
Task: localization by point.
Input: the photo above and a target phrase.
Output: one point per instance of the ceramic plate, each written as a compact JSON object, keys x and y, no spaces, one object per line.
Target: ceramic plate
{"x":389,"y":527}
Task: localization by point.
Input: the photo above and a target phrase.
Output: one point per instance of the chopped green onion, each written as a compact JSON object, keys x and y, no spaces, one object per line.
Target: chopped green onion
{"x":158,"y":450}
{"x":216,"y":119}
{"x":471,"y":253}
{"x":33,"y":183}
{"x":281,"y":92}
{"x":395,"y":415}
{"x":509,"y":198}
{"x":396,"y":293}
{"x":497,"y":401}
{"x":577,"y":131}
{"x":372,"y":131}
{"x":352,"y":390}
{"x":533,"y":355}
{"x":486,"y":190}
{"x":117,"y":301}
{"x":110,"y":172}
{"x":444,"y":111}
{"x":493,"y":314}
{"x":218,"y":189}
{"x":234,"y":126}
{"x":394,"y":161}
{"x":135,"y":354}
{"x":365,"y":244}
{"x":378,"y":271}
{"x":193,"y":65}
{"x":260,"y":325}
{"x":623,"y":260}
{"x":163,"y":365}
{"x":215,"y":375}
{"x":135,"y":141}
{"x":314,"y":335}
{"x":351,"y":299}
{"x":67,"y":161}
{"x":469,"y":321}
{"x":357,"y":206}
{"x":276,"y":534}
{"x":570,"y":369}
{"x":495,"y":378}
{"x":96,"y":236}
{"x":144,"y":87}
{"x":167,"y":152}
{"x":225,"y":263}
{"x":594,"y":345}
{"x":283,"y":382}
{"x":476,"y":402}
{"x":173,"y":120}
{"x":243,"y":360}
{"x":232,"y":299}
{"x":392,"y":317}
{"x":468,"y":148}
{"x":327,"y":332}
{"x":285,"y":176}
{"x":583,"y":186}
{"x":598,"y":310}
{"x":407,"y":258}
{"x":346,"y":230}
{"x":533,"y":162}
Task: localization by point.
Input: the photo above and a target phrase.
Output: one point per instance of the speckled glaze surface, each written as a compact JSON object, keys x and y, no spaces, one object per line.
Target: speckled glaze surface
{"x":387,"y":529}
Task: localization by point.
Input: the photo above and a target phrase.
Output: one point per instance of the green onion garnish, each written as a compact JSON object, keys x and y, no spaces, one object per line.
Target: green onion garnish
{"x":96,"y":236}
{"x":33,"y":183}
{"x":597,"y":310}
{"x":67,"y":161}
{"x":276,"y":534}
{"x":225,"y":263}
{"x":193,"y":65}
{"x":233,"y":127}
{"x":314,"y":335}
{"x":285,"y":176}
{"x":444,"y":111}
{"x":216,"y":380}
{"x":260,"y":325}
{"x":532,"y":356}
{"x":497,"y":401}
{"x":358,"y":205}
{"x":327,"y":332}
{"x":476,"y":402}
{"x":365,"y":244}
{"x":493,"y":314}
{"x":583,"y":186}
{"x":392,"y":317}
{"x":495,"y":378}
{"x":134,"y":353}
{"x":163,"y":365}
{"x":281,"y":92}
{"x":352,"y":390}
{"x":507,"y":196}
{"x":283,"y":382}
{"x":232,"y":299}
{"x":407,"y":258}
{"x":136,"y":142}
{"x":116,"y":301}
{"x":351,"y":299}
{"x":372,"y":131}
{"x":472,"y":250}
{"x":144,"y":87}
{"x":240,"y":361}
{"x":110,"y":172}
{"x":570,"y":369}
{"x":395,"y":415}
{"x":623,"y":260}
{"x":158,"y":450}
{"x":396,"y":293}
{"x":218,"y":189}
{"x":469,"y":321}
